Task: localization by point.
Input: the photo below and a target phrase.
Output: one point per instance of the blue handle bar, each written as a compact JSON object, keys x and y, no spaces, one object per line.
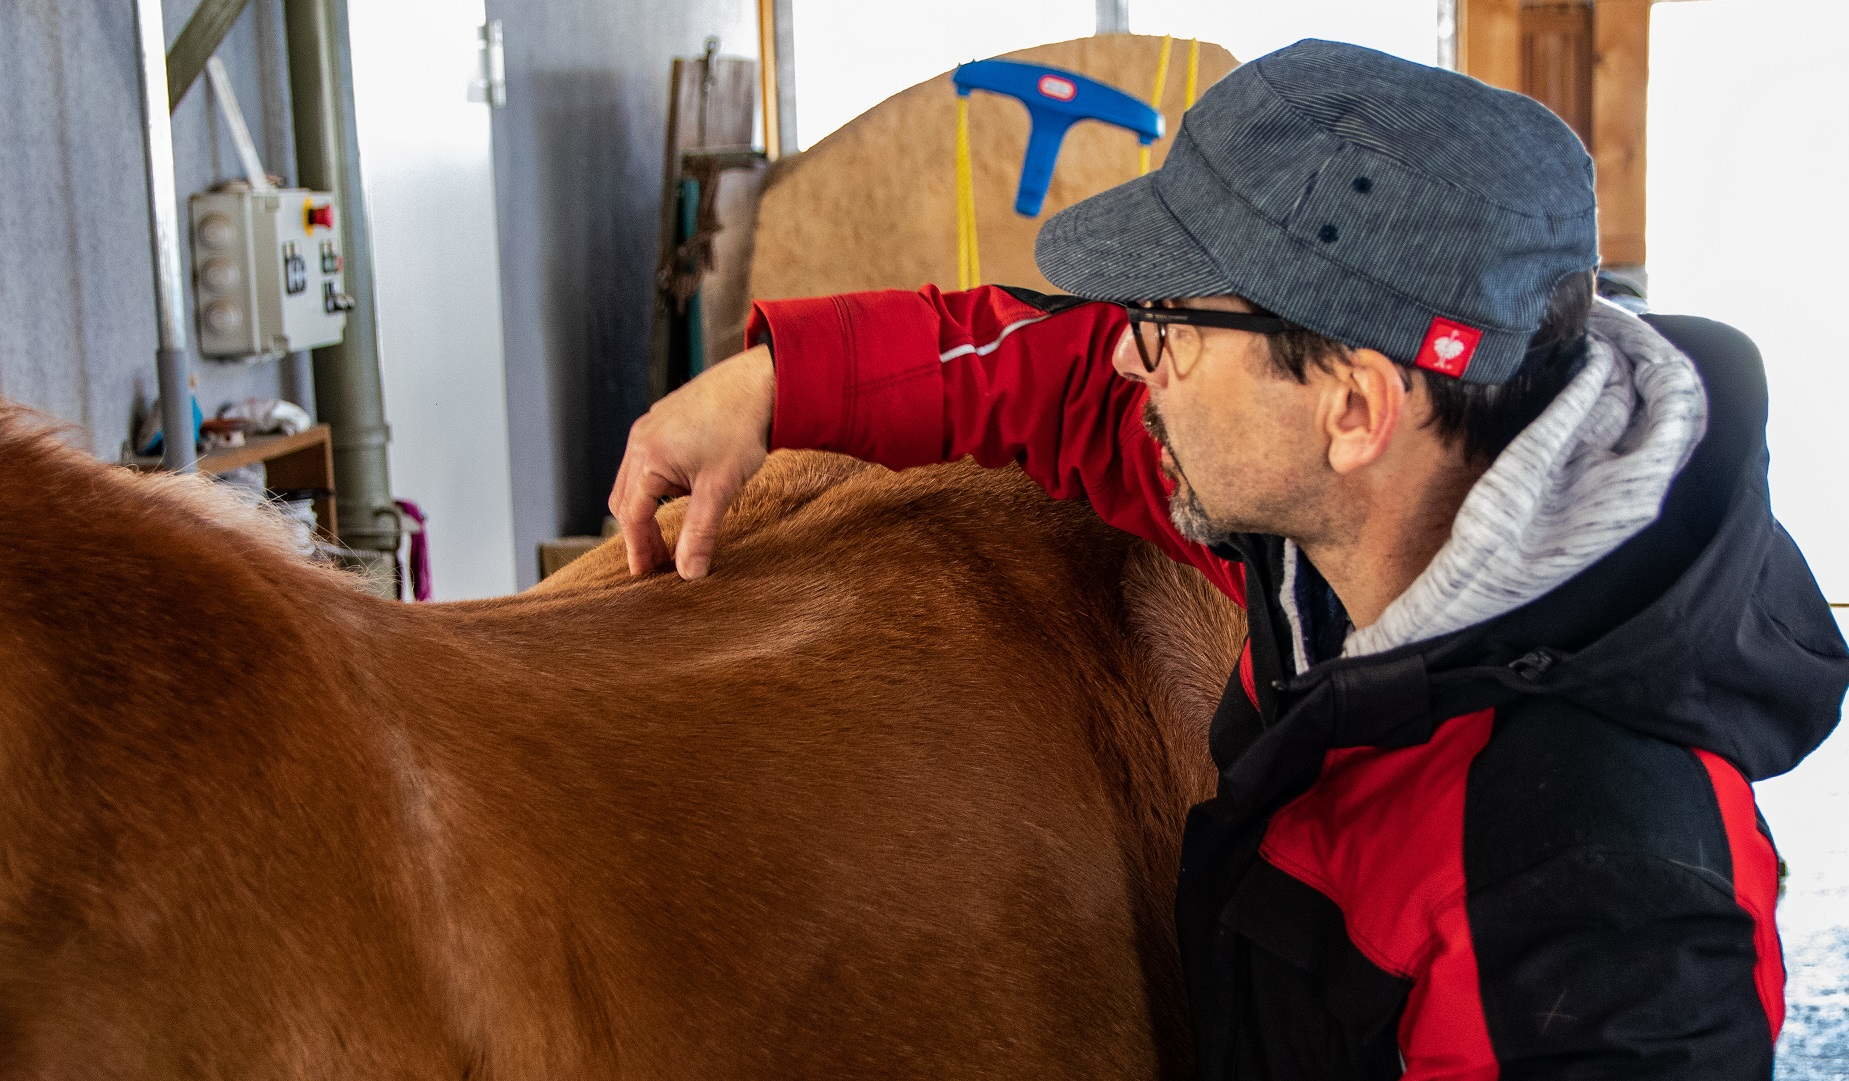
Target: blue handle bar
{"x":1055,"y":100}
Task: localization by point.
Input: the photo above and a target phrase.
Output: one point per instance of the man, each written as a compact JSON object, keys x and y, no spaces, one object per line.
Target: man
{"x":1522,"y":625}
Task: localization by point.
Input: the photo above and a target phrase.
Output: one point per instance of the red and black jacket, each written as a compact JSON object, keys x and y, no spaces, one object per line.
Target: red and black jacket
{"x":1525,"y":849}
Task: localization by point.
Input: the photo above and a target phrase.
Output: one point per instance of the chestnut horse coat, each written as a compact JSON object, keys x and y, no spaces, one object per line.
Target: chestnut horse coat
{"x":895,"y":793}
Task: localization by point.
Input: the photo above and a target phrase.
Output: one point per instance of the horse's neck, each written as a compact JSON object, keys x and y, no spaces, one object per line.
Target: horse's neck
{"x":97,"y":558}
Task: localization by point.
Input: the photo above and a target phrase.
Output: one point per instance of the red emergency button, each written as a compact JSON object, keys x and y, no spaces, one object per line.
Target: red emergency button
{"x":322,"y":215}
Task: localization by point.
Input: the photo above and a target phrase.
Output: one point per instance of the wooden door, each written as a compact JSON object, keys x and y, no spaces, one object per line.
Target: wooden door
{"x":1588,"y":61}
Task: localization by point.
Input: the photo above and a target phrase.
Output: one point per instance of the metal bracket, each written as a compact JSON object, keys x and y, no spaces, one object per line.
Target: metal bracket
{"x":491,"y":85}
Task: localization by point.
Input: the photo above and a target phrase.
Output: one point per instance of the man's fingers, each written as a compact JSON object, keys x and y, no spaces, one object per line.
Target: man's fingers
{"x":700,"y":527}
{"x":644,"y":548}
{"x":616,"y":489}
{"x":635,"y":513}
{"x":705,"y":439}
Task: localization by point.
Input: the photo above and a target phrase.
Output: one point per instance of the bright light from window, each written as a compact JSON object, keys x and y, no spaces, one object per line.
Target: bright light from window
{"x":851,"y":55}
{"x":1407,"y":28}
{"x":1748,"y":154}
{"x":1747,"y":157}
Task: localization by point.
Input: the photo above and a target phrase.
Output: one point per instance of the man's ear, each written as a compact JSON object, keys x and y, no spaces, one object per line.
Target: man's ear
{"x":1363,"y":405}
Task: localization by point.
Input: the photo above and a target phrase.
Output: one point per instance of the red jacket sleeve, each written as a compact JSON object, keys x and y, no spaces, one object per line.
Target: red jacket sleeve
{"x":905,"y":379}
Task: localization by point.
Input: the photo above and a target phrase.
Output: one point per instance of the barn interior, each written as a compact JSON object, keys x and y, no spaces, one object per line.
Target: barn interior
{"x":409,"y":271}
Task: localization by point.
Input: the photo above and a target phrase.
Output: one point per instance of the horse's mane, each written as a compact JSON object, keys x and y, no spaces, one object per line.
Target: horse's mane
{"x":41,"y":469}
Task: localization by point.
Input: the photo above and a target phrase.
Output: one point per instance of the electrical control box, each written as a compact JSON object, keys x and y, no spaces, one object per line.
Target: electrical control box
{"x":266,"y":271}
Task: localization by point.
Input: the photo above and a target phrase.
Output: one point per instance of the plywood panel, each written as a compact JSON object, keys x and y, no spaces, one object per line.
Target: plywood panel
{"x":725,"y":300}
{"x":872,"y":206}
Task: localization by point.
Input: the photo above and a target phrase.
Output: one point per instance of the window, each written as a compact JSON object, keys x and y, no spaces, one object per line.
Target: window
{"x":1747,"y":157}
{"x":1747,"y":153}
{"x":1407,"y":28}
{"x":850,"y":55}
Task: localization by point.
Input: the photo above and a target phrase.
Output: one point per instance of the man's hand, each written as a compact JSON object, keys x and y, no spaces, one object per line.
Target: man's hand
{"x":705,"y":440}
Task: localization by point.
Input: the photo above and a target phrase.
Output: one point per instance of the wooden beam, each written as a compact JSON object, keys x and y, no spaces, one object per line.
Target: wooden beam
{"x":767,"y":79}
{"x":1620,"y":93}
{"x":1489,"y":41}
{"x":784,"y":26}
{"x":1557,"y":62}
{"x":204,"y":32}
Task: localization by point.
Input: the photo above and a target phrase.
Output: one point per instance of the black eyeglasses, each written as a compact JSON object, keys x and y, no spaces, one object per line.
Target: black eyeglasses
{"x":1253,"y":322}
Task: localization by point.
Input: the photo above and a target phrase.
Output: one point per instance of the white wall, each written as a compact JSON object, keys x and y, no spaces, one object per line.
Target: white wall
{"x":77,"y":340}
{"x":427,"y":162}
{"x":1748,"y":160}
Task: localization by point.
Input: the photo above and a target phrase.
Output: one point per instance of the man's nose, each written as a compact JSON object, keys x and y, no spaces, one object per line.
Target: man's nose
{"x":1126,"y":359}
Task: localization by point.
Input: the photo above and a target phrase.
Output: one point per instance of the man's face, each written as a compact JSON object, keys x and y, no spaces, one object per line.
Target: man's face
{"x":1240,"y":440}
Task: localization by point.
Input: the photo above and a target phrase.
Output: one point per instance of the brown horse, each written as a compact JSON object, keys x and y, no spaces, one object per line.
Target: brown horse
{"x":896,"y":793}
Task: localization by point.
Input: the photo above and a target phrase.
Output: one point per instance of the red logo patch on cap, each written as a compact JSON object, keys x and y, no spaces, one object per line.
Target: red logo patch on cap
{"x":1057,"y":88}
{"x":1448,"y":347}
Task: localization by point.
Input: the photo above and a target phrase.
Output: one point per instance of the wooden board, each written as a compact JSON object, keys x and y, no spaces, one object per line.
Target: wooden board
{"x":711,"y":104}
{"x":1620,"y":96}
{"x":725,"y":300}
{"x":872,"y":207}
{"x":1590,"y":63}
{"x":1557,"y":62}
{"x":304,"y":460}
{"x":772,"y":30}
{"x":555,"y":554}
{"x":1489,"y":41}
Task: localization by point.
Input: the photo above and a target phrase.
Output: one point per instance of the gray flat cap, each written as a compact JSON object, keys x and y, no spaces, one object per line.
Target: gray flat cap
{"x":1380,"y":202}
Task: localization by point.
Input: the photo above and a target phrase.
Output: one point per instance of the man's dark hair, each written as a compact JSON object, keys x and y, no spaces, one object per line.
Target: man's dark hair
{"x":1484,"y":418}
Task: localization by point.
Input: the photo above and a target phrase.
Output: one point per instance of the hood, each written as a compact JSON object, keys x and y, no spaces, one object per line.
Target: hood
{"x":1717,"y":635}
{"x":1699,"y":623}
{"x":1588,"y":474}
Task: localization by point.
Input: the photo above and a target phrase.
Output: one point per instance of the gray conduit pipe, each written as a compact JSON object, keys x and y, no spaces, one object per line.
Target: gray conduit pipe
{"x":348,"y":394}
{"x":170,"y":354}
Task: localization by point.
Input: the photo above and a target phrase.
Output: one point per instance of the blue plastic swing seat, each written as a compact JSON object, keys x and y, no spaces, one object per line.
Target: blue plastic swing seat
{"x":1055,"y":100}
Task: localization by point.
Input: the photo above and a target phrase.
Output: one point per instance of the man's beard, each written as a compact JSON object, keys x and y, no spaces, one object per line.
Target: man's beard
{"x":1190,"y":519}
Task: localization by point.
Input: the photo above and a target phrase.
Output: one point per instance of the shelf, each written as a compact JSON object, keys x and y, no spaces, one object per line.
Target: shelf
{"x":301,"y":461}
{"x":265,"y":448}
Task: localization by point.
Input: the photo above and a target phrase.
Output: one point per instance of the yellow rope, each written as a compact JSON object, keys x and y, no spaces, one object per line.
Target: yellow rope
{"x":1155,"y":96}
{"x":1194,"y":73}
{"x":969,"y":262}
{"x":962,"y":163}
{"x":1161,"y":84}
